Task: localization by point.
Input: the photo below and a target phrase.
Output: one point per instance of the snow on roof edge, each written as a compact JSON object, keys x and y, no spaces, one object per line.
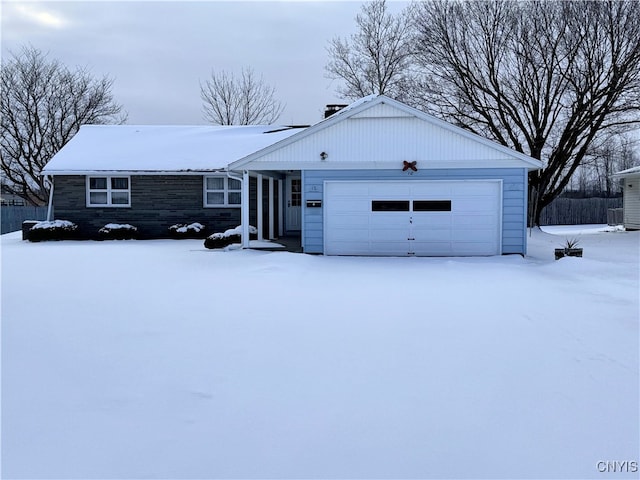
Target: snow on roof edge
{"x":161,"y":148}
{"x":628,"y":171}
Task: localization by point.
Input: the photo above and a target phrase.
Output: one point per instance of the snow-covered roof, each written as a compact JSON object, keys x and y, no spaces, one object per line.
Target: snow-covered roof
{"x":131,"y":148}
{"x":627,"y":172}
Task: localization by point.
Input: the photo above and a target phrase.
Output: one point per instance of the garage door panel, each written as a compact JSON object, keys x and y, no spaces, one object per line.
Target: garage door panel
{"x":346,"y":222}
{"x":432,"y":248}
{"x":346,"y":248}
{"x":433,"y":190}
{"x":477,"y":188}
{"x":372,"y":248}
{"x":387,"y":234}
{"x":392,"y":189}
{"x":390,"y":220}
{"x":389,"y":248}
{"x":350,"y":188}
{"x":431,"y":235}
{"x":479,"y":236}
{"x":474,"y":204}
{"x":352,"y":234}
{"x":473,"y":220}
{"x":449,"y":218}
{"x":349,"y":204}
{"x":432,"y":220}
{"x":474,"y":248}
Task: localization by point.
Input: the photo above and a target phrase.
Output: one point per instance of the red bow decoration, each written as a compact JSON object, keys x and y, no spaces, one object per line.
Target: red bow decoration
{"x":409,"y":165}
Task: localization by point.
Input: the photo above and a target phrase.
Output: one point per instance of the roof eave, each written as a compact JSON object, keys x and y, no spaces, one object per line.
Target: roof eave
{"x":131,"y":172}
{"x":627,"y":173}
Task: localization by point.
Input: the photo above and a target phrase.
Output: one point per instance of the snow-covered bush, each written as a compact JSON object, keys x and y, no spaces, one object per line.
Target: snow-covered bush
{"x":53,"y":230}
{"x":184,"y":230}
{"x":233,"y":235}
{"x":118,"y":231}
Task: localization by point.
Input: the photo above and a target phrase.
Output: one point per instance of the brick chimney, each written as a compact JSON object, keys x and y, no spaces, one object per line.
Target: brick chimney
{"x":333,"y":108}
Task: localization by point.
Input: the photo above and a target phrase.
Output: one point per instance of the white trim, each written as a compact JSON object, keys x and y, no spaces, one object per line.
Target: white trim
{"x":501,"y":213}
{"x":384,"y":165}
{"x":122,"y":173}
{"x":109,"y":191}
{"x":281,"y":210}
{"x":272,"y":209}
{"x":303,"y":203}
{"x":245,"y":209}
{"x":259,"y":209}
{"x":225,"y":192}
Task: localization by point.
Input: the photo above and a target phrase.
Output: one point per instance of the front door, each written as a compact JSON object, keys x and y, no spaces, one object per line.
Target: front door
{"x":294,"y":203}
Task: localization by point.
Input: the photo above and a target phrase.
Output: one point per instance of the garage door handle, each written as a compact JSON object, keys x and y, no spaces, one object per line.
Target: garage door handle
{"x":410,"y":238}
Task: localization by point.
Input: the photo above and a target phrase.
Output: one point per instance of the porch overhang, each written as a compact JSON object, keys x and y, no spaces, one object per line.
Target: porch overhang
{"x":264,"y":199}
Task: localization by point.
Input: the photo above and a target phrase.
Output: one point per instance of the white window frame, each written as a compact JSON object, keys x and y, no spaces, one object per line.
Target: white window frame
{"x":225,"y":191}
{"x":109,"y":191}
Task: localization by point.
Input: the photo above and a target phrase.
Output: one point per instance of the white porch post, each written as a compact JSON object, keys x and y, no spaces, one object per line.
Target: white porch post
{"x":259,"y":207}
{"x":281,"y":209}
{"x":245,"y":209}
{"x":271,"y":210}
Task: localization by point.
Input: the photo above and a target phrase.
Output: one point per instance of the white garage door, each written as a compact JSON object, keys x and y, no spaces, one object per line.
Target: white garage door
{"x":426,"y":218}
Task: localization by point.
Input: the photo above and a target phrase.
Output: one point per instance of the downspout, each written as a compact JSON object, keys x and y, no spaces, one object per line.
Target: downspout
{"x":50,"y":205}
{"x":230,"y":175}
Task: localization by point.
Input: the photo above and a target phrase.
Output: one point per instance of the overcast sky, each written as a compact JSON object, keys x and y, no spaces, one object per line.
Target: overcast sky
{"x":159,"y":52}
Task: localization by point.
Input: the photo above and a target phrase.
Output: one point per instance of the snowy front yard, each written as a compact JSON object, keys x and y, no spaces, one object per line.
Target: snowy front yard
{"x":161,"y":359}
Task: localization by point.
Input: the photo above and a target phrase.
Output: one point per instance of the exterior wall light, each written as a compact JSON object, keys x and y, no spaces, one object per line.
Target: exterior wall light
{"x":323,"y":155}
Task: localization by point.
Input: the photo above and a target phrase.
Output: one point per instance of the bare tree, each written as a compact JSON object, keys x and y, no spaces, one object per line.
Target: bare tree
{"x":42,"y":106}
{"x":376,"y":59}
{"x":542,"y":77}
{"x":244,"y":100}
{"x":606,"y":156}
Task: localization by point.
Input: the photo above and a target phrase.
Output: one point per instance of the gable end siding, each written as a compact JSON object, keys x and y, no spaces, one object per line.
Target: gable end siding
{"x":157,"y":202}
{"x":514,"y":199}
{"x":631,"y":202}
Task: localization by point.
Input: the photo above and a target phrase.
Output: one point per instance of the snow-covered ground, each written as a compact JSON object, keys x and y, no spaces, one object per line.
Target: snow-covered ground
{"x":161,"y":359}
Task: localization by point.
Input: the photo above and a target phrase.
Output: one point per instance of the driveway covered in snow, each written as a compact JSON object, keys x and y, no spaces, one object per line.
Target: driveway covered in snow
{"x":161,"y":359}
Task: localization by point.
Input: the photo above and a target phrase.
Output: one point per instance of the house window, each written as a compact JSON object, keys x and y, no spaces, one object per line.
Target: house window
{"x":222,"y":192}
{"x":296,"y":192}
{"x":108,"y":192}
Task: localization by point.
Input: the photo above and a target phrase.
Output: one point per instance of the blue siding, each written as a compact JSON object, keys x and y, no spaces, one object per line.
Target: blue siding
{"x":514,"y":199}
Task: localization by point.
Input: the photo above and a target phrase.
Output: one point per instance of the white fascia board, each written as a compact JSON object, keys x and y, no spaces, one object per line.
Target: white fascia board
{"x":532,"y":163}
{"x":130,"y":172}
{"x":424,"y":165}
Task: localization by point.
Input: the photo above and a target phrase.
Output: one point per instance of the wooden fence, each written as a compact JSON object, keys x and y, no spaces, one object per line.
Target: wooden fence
{"x":11,"y":217}
{"x":578,"y":211}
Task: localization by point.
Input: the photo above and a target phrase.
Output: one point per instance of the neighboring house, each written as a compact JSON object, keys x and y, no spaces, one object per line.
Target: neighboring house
{"x":376,"y":178}
{"x":630,"y":197}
